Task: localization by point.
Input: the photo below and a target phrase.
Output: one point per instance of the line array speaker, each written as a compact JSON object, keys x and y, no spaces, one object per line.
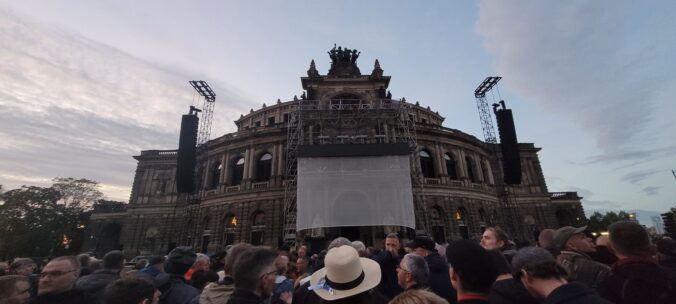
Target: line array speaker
{"x":185,"y":166}
{"x":511,"y":158}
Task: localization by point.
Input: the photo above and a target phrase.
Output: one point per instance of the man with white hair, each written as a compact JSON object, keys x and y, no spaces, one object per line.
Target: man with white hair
{"x":412,"y":272}
{"x":201,"y":263}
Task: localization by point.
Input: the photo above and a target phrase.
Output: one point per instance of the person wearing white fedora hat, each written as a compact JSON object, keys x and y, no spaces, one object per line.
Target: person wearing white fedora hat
{"x":347,"y":278}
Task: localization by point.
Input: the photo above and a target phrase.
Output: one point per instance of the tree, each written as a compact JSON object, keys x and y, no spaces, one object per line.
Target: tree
{"x":599,"y":222}
{"x":669,"y":220}
{"x":42,"y":221}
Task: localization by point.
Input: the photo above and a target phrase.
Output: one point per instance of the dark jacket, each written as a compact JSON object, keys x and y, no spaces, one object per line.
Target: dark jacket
{"x":604,"y":256}
{"x":439,"y":279}
{"x":388,"y":285}
{"x":510,"y":291}
{"x":150,"y":271}
{"x":73,"y":296}
{"x":97,"y":281}
{"x":574,"y":293}
{"x":176,"y":290}
{"x":639,"y":280}
{"x":581,"y":268}
{"x":244,"y":297}
{"x":303,"y":295}
{"x":282,"y":285}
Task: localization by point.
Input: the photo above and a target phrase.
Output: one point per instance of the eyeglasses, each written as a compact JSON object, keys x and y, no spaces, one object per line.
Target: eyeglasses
{"x":55,"y":273}
{"x":401,"y":268}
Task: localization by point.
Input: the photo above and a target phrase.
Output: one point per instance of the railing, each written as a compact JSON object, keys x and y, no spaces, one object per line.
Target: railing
{"x":232,"y":189}
{"x":432,"y":181}
{"x":564,"y":195}
{"x":260,"y":185}
{"x":455,"y":183}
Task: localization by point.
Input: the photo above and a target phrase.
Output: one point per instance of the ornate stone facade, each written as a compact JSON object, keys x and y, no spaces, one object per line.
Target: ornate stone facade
{"x":242,"y":178}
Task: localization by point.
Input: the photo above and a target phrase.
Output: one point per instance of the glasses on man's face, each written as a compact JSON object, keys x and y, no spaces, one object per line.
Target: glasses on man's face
{"x":55,"y":273}
{"x":401,"y":268}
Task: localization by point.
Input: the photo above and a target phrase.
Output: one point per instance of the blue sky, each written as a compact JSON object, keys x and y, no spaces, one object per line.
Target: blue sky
{"x":84,"y":85}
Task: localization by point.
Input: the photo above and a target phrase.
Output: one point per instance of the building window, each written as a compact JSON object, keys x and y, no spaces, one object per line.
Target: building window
{"x":215,"y":175}
{"x":238,"y":171}
{"x":450,"y":166}
{"x":271,"y":121}
{"x":470,"y":169}
{"x":257,"y":123}
{"x":426,"y":164}
{"x":484,"y":171}
{"x":230,"y":221}
{"x":264,"y":168}
{"x":258,"y":219}
{"x":286,"y":117}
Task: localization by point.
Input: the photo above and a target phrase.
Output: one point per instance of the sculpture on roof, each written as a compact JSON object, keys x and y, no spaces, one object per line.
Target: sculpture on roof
{"x":343,"y":62}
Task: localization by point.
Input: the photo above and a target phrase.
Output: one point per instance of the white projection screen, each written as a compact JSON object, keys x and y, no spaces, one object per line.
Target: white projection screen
{"x":354,"y":191}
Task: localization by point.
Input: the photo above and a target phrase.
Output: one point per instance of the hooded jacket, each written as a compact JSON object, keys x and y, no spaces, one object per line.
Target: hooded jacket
{"x":510,"y":291}
{"x":582,"y":268}
{"x":439,"y":279}
{"x":216,"y":294}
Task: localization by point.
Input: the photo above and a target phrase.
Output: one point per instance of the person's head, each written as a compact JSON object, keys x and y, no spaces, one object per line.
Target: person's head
{"x":339,"y":241}
{"x":666,"y":248}
{"x":412,"y":270}
{"x":302,"y":251}
{"x":282,"y":264}
{"x":131,"y":290}
{"x":22,"y":266}
{"x":179,"y":260}
{"x":535,"y":267}
{"x":494,"y":238}
{"x":84,"y":260}
{"x":284,"y":250}
{"x":472,"y":269}
{"x":59,"y":275}
{"x":360,"y":247}
{"x":629,"y":239}
{"x":14,"y":289}
{"x":345,"y":276}
{"x":422,"y":246}
{"x":545,"y":238}
{"x":571,"y":238}
{"x":392,"y":242}
{"x":255,"y":271}
{"x":418,"y":296}
{"x":113,"y":260}
{"x":202,"y":262}
{"x":302,"y":263}
{"x":233,"y":253}
{"x":603,"y":240}
{"x":4,"y":268}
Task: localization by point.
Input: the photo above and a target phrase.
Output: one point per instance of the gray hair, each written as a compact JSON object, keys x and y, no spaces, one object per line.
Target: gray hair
{"x":232,"y":254}
{"x":339,"y":241}
{"x":359,"y":246}
{"x":201,"y":258}
{"x":251,"y":266}
{"x":417,"y":267}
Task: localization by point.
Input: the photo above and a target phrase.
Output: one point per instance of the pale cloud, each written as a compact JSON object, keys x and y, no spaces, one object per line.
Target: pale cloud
{"x":584,"y":60}
{"x":73,"y":107}
{"x":637,"y":177}
{"x":651,"y":190}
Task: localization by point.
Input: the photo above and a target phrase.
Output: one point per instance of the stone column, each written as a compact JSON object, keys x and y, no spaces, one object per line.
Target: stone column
{"x":225,"y":160}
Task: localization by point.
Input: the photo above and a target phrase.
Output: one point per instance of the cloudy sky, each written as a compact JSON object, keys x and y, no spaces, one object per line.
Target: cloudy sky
{"x":85,"y":85}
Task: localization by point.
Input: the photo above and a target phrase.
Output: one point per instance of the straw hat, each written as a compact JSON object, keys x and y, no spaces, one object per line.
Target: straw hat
{"x":345,"y":274}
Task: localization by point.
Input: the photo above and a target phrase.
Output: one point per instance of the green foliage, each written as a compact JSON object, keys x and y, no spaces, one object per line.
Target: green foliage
{"x":35,"y":221}
{"x":599,"y":222}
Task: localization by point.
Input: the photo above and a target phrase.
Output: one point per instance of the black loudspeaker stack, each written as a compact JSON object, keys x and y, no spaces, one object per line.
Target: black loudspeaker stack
{"x":511,"y":158}
{"x":185,"y":166}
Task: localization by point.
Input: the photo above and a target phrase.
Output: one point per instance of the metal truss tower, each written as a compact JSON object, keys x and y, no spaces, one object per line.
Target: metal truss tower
{"x":507,"y":201}
{"x":205,"y":91}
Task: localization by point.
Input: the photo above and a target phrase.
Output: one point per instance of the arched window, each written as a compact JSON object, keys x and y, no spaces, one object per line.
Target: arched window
{"x":215,"y":175}
{"x":230,"y":221}
{"x":460,"y":214}
{"x":450,"y":166}
{"x":258,"y":219}
{"x":484,"y":171}
{"x":238,"y":171}
{"x":264,"y":168}
{"x":470,"y":169}
{"x":426,"y":163}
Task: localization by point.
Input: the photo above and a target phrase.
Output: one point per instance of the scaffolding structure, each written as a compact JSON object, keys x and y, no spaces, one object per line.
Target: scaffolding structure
{"x":506,"y":198}
{"x":344,"y":121}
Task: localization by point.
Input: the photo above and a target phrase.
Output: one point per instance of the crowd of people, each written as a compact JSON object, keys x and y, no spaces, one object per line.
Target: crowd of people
{"x":565,"y":266}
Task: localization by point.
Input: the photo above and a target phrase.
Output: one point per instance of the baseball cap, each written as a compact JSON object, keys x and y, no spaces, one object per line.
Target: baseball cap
{"x":563,"y":234}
